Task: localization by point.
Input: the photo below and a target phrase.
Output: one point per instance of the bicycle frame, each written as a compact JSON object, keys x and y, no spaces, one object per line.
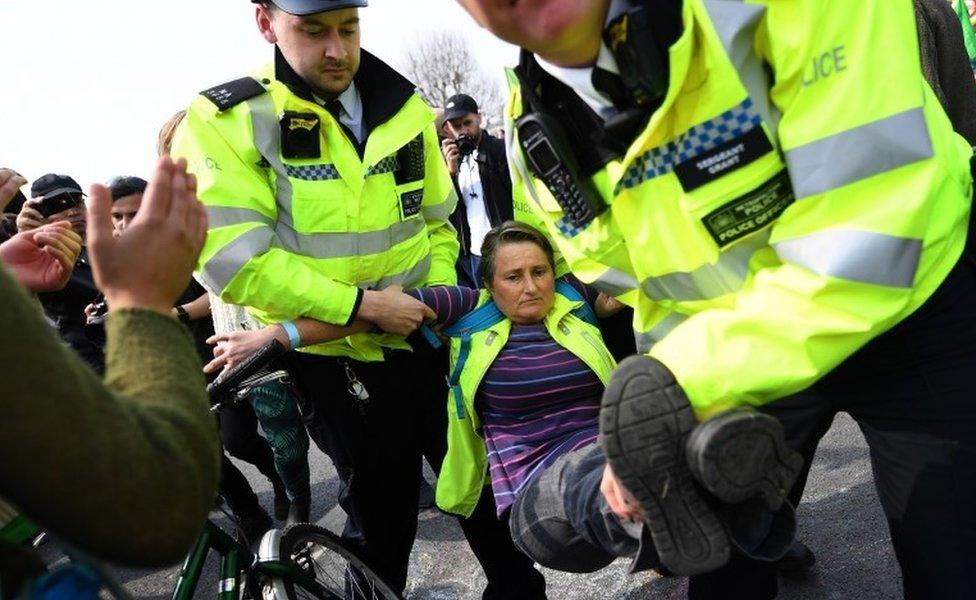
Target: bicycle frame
{"x":239,"y":565}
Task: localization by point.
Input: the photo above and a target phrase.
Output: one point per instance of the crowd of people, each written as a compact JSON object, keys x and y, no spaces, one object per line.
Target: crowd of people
{"x":779,"y":206}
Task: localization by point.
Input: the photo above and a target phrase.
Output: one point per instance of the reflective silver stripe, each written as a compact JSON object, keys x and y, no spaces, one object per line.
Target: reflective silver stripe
{"x":344,"y":244}
{"x":226,"y":586}
{"x":862,"y":256}
{"x":411,"y":278}
{"x":859,"y":153}
{"x":267,"y":140}
{"x":708,"y":281}
{"x":615,"y":283}
{"x":646,"y":340}
{"x":222,"y":216}
{"x":229,"y":260}
{"x":442,"y":211}
{"x":736,"y":24}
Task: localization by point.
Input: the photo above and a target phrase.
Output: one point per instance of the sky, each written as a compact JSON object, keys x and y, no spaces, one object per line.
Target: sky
{"x":87,"y":84}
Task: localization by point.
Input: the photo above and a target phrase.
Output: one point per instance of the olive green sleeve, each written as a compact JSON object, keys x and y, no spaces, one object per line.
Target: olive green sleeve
{"x":127,"y":468}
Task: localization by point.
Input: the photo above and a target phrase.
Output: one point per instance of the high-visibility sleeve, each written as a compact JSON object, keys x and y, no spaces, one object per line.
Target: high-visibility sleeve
{"x":440,"y":200}
{"x":882,"y":191}
{"x":243,"y":262}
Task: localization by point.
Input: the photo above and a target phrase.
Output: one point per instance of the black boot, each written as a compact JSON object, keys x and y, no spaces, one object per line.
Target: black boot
{"x":299,"y":512}
{"x":740,"y":454}
{"x":645,"y":420}
{"x":281,"y":502}
{"x":798,"y":559}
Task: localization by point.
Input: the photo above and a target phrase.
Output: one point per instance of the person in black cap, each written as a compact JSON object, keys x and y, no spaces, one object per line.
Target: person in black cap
{"x":479,"y":169}
{"x":327,"y":194}
{"x":57,"y":198}
{"x":11,"y":201}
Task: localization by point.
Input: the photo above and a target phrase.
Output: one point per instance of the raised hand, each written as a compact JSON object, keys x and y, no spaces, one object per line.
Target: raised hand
{"x":10,"y":182}
{"x":42,"y":259}
{"x":149,"y":264}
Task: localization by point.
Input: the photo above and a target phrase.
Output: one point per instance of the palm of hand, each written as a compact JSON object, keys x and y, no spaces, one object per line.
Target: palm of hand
{"x":30,"y":265}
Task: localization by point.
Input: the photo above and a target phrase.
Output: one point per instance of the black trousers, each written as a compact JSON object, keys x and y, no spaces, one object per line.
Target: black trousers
{"x":240,"y":438}
{"x":911,"y":393}
{"x":377,"y":447}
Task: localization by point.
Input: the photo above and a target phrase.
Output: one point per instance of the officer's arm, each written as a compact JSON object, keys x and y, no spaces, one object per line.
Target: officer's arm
{"x":242,"y":260}
{"x":882,"y":192}
{"x":440,"y":199}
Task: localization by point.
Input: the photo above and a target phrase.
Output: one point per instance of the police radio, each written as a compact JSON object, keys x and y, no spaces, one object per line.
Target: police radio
{"x":551,"y":160}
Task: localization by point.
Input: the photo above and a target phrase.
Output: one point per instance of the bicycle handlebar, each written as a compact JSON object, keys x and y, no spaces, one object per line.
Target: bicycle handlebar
{"x":227,"y":382}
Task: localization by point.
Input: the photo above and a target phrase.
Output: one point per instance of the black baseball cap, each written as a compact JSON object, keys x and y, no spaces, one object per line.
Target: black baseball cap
{"x":126,"y":185}
{"x":310,"y":7}
{"x":459,"y":105}
{"x":52,"y":184}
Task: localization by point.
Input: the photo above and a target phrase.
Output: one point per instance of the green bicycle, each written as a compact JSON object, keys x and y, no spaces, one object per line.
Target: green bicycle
{"x":303,"y":561}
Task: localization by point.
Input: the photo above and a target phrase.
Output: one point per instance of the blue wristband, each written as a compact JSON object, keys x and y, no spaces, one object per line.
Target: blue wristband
{"x":294,"y":337}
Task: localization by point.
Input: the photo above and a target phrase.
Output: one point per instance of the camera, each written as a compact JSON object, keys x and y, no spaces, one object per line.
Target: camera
{"x":55,"y":204}
{"x":465,"y":144}
{"x":95,"y":327}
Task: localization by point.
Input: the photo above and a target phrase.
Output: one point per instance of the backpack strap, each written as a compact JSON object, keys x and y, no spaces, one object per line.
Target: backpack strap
{"x":475,"y":321}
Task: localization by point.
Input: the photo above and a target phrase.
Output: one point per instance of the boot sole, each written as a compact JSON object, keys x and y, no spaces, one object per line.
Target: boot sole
{"x":644,"y":443}
{"x":741,"y":454}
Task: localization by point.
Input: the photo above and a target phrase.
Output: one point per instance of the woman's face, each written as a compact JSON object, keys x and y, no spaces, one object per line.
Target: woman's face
{"x":523,"y":285}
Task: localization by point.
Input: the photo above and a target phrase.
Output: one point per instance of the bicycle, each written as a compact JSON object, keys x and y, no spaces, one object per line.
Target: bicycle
{"x":303,"y":561}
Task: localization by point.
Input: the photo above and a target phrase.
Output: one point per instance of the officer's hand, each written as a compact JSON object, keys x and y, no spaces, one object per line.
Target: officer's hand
{"x":452,"y":156}
{"x":607,"y":306}
{"x":393,"y":311}
{"x":149,"y":264}
{"x":29,"y":218}
{"x":10,"y":182}
{"x":621,"y":502}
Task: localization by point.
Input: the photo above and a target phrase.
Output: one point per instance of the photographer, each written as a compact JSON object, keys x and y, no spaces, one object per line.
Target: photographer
{"x":477,"y":164}
{"x":11,"y":200}
{"x":59,"y":198}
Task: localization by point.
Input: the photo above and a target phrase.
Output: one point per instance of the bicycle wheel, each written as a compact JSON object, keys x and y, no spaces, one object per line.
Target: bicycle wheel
{"x":321,"y":554}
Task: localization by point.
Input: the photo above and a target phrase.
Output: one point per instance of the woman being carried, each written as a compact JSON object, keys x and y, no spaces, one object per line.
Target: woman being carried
{"x":529,"y":369}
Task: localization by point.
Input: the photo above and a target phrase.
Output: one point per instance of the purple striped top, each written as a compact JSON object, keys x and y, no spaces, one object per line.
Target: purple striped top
{"x":537,"y":401}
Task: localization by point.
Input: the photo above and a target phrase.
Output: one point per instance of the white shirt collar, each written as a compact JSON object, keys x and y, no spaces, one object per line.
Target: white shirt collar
{"x":580,"y":79}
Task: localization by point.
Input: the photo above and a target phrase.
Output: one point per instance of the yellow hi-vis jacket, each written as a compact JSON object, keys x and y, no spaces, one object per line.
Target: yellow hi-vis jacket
{"x":293,"y":237}
{"x":464,"y":472}
{"x":754,"y":273}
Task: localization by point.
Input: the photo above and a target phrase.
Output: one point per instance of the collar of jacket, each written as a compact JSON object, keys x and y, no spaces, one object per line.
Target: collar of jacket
{"x":383,"y":90}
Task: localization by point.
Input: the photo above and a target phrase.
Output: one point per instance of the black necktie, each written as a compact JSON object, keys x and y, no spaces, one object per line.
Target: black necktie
{"x":334,"y":107}
{"x":610,"y":85}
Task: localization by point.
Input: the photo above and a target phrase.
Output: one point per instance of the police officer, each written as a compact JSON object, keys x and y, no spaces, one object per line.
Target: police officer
{"x":789,"y":235}
{"x":326,"y":193}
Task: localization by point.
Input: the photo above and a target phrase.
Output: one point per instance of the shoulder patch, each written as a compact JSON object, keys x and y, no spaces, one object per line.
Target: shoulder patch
{"x":230,"y":94}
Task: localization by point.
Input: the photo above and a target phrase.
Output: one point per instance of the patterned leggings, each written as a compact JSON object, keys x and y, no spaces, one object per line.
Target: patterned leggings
{"x":275,"y":403}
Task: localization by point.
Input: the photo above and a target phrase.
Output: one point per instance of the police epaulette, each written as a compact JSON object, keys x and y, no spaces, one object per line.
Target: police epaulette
{"x":230,"y":94}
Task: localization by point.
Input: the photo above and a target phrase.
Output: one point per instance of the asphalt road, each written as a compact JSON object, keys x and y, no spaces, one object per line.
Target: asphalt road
{"x":840,"y":519}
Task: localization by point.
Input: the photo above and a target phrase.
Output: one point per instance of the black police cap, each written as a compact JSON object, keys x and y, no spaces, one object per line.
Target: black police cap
{"x":459,"y":105}
{"x":52,"y":184}
{"x":310,"y":7}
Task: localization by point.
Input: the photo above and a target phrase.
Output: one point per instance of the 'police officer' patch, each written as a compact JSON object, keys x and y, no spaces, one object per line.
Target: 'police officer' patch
{"x":751,"y":211}
{"x":410,"y":203}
